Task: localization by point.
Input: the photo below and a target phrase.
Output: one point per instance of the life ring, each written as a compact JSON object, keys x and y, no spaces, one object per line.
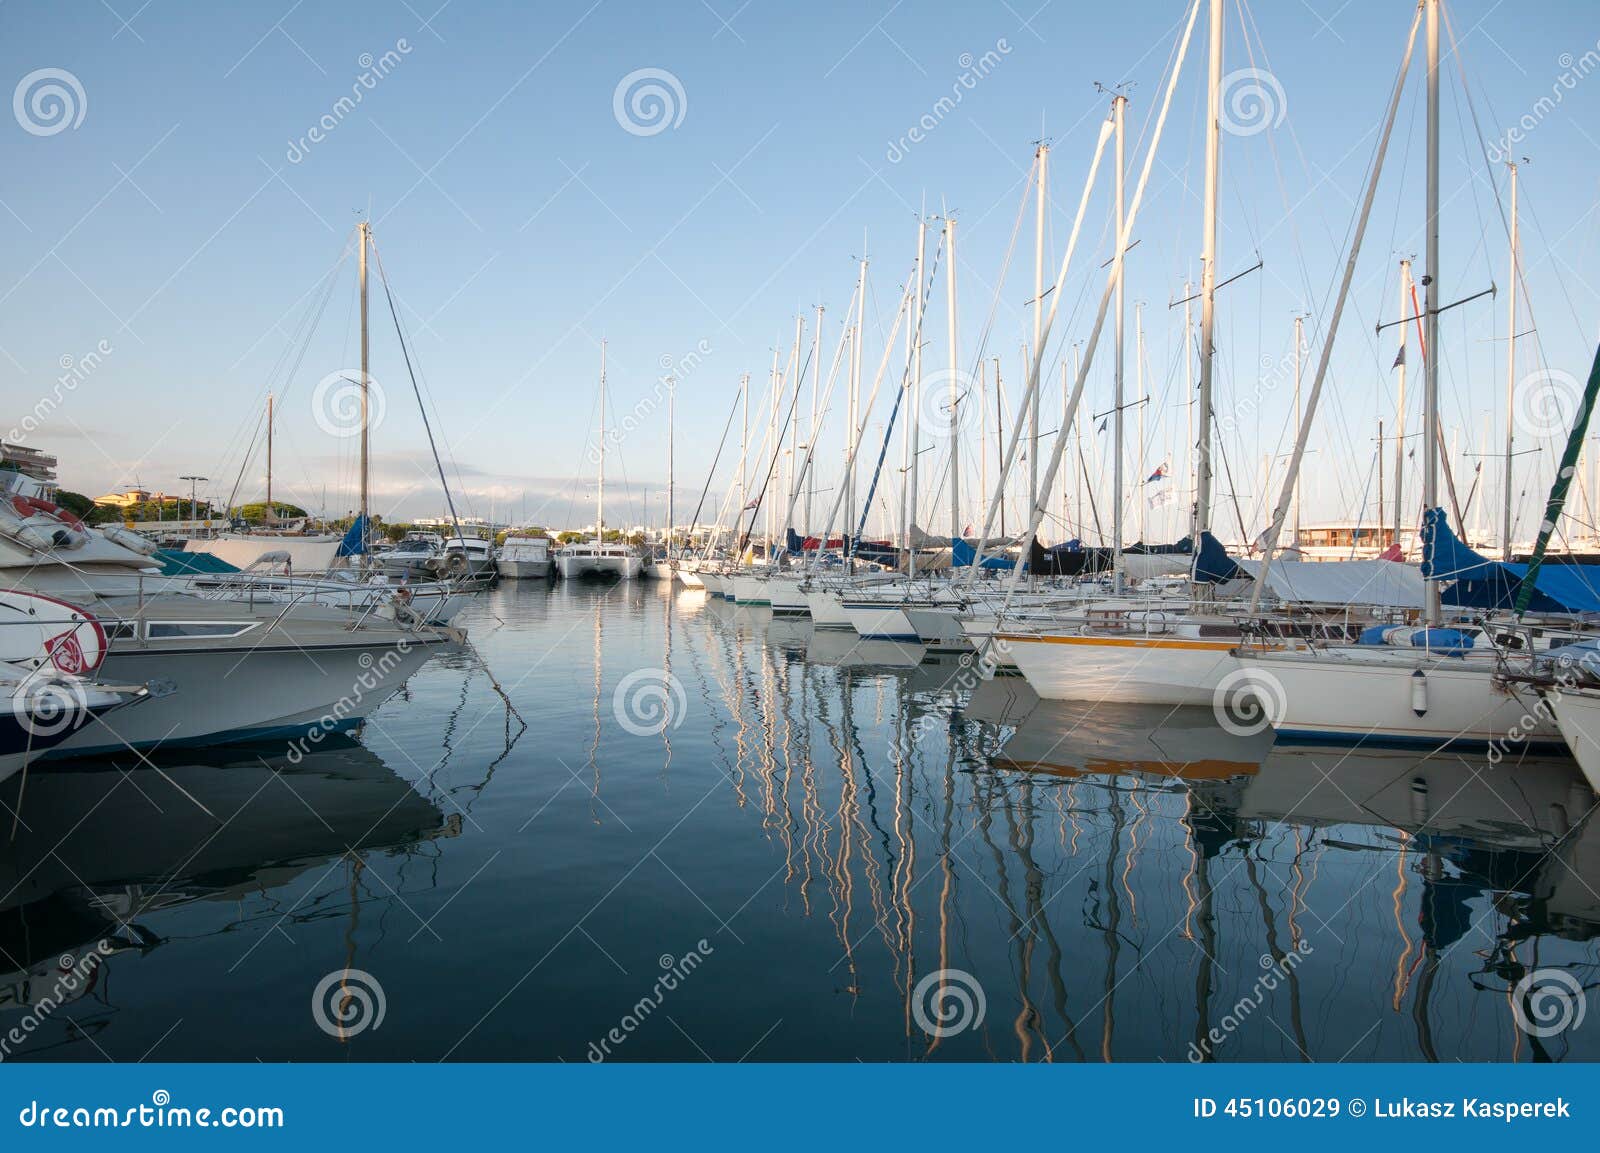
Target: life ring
{"x":30,"y":504}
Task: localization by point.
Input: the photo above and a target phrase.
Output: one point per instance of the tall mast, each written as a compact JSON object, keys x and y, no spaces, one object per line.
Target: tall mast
{"x":1430,"y":308}
{"x":600,"y":491}
{"x":811,"y":437}
{"x":672,"y":407}
{"x":365,"y":231}
{"x":744,"y":445}
{"x":1042,"y":167}
{"x":1118,"y":482}
{"x":983,"y":429}
{"x":773,"y":440}
{"x":1299,"y":344}
{"x":1208,"y":281}
{"x":855,"y":403}
{"x":955,"y":384}
{"x":269,"y":456}
{"x":1138,"y":375}
{"x":914,"y":426}
{"x":1511,"y":371}
{"x":1400,"y":415}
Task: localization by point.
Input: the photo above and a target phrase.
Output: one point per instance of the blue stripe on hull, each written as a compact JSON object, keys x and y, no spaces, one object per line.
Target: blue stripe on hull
{"x":1406,"y":741}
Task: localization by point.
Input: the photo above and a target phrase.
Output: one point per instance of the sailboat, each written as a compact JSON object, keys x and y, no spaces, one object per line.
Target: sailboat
{"x":597,"y":558}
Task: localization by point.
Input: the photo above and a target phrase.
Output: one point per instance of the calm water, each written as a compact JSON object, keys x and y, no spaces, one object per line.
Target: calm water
{"x":784,"y":871}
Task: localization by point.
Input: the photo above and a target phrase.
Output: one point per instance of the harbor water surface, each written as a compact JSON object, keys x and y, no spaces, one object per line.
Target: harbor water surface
{"x":649,"y":826}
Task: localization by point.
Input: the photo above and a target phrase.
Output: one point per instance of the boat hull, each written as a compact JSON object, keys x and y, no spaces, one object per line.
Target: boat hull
{"x":598,"y":567}
{"x":1126,"y":670}
{"x":786,"y":597}
{"x":525,"y":569}
{"x":751,"y":590}
{"x":879,"y":622}
{"x":225,"y":695}
{"x":1350,"y":698}
{"x":827,"y":610}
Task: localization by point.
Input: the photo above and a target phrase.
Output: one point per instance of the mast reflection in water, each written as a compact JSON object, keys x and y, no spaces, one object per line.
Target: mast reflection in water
{"x":884,"y":856}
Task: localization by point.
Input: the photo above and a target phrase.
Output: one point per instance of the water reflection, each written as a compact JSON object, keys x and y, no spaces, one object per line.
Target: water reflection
{"x":867,"y":833}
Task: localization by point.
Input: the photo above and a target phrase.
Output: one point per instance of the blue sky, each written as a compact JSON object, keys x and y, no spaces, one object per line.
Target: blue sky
{"x":520,"y":223}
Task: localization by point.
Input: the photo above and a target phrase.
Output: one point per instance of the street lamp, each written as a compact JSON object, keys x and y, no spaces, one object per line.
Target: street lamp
{"x":194,"y":513}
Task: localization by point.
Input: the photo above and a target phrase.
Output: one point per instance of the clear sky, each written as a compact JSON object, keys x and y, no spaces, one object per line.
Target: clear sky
{"x":186,"y":216}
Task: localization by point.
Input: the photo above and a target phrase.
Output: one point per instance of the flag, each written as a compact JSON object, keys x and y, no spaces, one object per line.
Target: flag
{"x":751,"y":505}
{"x":1159,"y":474}
{"x":1102,"y":427}
{"x":1399,"y":357}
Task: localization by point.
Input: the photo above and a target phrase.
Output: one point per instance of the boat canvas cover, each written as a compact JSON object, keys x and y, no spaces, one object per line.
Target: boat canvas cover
{"x":1477,"y":582}
{"x":1382,"y":583}
{"x":176,"y":562}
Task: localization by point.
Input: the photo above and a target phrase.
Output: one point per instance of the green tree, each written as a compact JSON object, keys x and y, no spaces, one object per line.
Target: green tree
{"x":257,"y":513}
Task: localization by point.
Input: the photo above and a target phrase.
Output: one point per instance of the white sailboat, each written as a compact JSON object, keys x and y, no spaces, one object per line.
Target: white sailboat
{"x":598,"y":558}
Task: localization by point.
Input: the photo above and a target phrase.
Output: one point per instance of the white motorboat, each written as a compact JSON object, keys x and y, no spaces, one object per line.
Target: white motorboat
{"x":468,"y":558}
{"x":270,"y":580}
{"x":525,"y":558}
{"x":416,"y":556}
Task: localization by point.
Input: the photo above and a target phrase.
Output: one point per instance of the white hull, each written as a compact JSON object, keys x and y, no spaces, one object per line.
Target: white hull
{"x":525,"y":569}
{"x":1350,"y":695}
{"x":939,"y":627}
{"x":786,"y":597}
{"x":713,"y":582}
{"x":690,"y":579}
{"x":1578,"y":717}
{"x":603,"y":567}
{"x":226,"y":693}
{"x":1127,"y":670}
{"x":880,"y":622}
{"x":827,"y":610}
{"x":751,"y":590}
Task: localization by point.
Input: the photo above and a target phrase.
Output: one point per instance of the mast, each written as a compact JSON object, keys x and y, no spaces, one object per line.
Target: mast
{"x":1043,"y":167}
{"x":1430,"y":312}
{"x":1208,"y":281}
{"x":1400,"y":416}
{"x":672,"y":406}
{"x":600,"y":490}
{"x":914,"y":425}
{"x":744,"y":447}
{"x":955,"y":384}
{"x":811,"y":439}
{"x":855,"y":403}
{"x":364,"y":229}
{"x":1299,"y":344}
{"x":773,"y":439}
{"x":1118,"y":481}
{"x":269,"y":458}
{"x":983,"y":429}
{"x":1138,"y":373}
{"x":1511,"y":371}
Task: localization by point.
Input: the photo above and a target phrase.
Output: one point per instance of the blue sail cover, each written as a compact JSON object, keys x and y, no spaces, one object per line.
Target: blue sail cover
{"x":1481,"y":583}
{"x":1213,"y":565}
{"x":963,"y":554}
{"x":352,"y":544}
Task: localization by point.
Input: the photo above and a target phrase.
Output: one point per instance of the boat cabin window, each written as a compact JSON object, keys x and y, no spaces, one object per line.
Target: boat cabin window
{"x":168,"y":630}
